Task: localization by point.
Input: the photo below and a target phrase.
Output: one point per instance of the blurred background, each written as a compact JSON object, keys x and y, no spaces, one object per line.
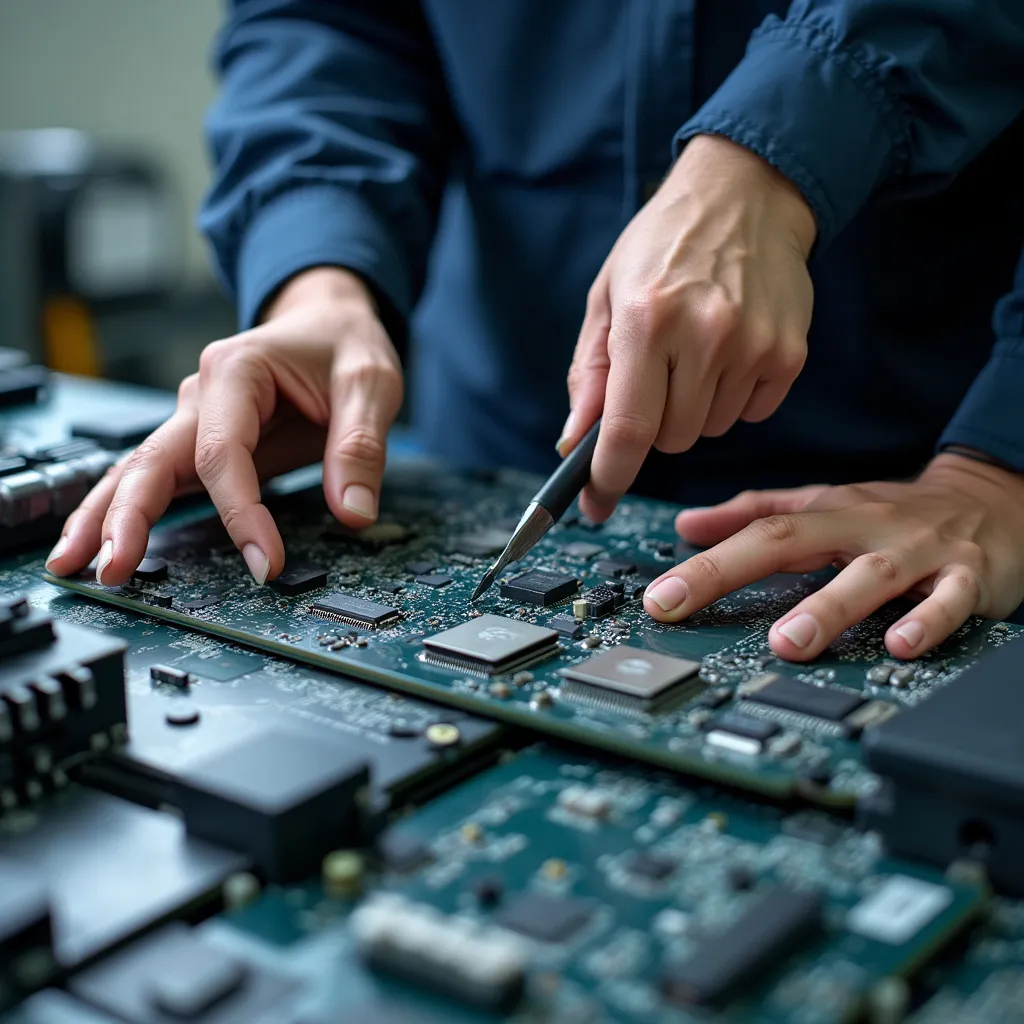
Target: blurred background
{"x":101,"y":111}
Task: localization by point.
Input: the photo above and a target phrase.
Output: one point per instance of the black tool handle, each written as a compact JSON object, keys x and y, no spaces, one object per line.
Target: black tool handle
{"x":570,"y":478}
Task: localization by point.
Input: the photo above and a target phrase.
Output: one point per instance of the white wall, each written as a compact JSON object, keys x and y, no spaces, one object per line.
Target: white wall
{"x":133,"y":71}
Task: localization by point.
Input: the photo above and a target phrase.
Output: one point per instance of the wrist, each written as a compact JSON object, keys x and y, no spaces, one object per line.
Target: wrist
{"x":751,"y":176}
{"x":950,"y":466}
{"x":332,"y":287}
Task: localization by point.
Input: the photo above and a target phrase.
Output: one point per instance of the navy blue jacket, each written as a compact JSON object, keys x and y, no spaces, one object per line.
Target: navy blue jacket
{"x":475,"y":161}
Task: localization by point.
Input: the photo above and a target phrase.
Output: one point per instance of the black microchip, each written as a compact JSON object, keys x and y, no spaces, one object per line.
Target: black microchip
{"x":600,"y":602}
{"x":544,"y":918}
{"x":116,"y":433}
{"x":152,"y":570}
{"x":745,"y":725}
{"x":389,"y":586}
{"x":582,"y":549}
{"x":538,"y":586}
{"x":299,"y":580}
{"x":566,"y":625}
{"x":420,"y":568}
{"x":767,"y":933}
{"x":169,"y":675}
{"x":826,"y":702}
{"x":434,"y":580}
{"x":202,"y":602}
{"x":354,"y":610}
{"x":156,"y":598}
{"x":714,"y":698}
{"x":484,"y":543}
{"x":652,"y":867}
{"x":613,"y":567}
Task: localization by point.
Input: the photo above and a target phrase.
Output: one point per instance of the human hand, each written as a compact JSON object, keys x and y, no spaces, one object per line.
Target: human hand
{"x":318,"y":379}
{"x":954,"y":538}
{"x":697,"y":319}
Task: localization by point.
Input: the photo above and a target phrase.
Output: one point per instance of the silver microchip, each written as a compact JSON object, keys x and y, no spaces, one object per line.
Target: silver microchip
{"x":631,"y":672}
{"x":490,"y":643}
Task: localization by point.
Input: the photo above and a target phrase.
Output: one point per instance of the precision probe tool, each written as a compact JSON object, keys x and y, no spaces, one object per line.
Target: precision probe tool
{"x":547,"y":507}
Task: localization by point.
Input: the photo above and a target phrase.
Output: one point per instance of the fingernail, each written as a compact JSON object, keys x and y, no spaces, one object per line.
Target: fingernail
{"x":258,"y":563}
{"x":911,"y":631}
{"x":669,"y":594}
{"x":103,"y":560}
{"x":563,"y":442}
{"x":359,"y":498}
{"x":800,"y":630}
{"x":58,"y":549}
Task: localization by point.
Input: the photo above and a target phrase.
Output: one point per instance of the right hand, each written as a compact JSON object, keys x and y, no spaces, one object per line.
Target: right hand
{"x":318,"y":379}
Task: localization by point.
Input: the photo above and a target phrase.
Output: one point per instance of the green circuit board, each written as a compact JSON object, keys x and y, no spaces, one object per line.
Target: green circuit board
{"x":437,"y":534}
{"x":610,"y":878}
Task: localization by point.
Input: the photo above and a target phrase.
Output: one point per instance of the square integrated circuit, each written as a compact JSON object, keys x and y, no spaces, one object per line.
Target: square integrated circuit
{"x":490,"y":645}
{"x":632,"y":678}
{"x":540,"y":586}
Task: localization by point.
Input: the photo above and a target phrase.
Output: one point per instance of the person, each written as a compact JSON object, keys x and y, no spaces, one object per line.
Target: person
{"x":462,"y":185}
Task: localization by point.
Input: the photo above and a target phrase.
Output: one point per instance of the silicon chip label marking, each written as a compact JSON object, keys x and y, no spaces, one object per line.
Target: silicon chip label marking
{"x":898,"y":910}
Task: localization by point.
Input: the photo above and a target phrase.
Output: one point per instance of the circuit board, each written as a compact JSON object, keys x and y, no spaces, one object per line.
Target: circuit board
{"x":383,"y":606}
{"x":619,"y":896}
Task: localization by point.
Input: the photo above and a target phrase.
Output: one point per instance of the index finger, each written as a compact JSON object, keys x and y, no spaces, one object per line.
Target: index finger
{"x":798,"y":542}
{"x":229,"y":429}
{"x":633,"y":407}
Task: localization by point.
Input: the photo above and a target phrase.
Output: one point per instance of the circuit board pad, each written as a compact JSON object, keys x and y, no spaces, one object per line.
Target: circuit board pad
{"x":436,"y":535}
{"x":563,"y":835}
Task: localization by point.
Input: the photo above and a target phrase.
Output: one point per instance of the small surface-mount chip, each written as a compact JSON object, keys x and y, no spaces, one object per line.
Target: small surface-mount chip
{"x":197,"y":605}
{"x":745,"y":725}
{"x":538,"y":586}
{"x":299,"y":580}
{"x":490,"y":645}
{"x":420,"y":568}
{"x":483,"y":543}
{"x":651,"y":867}
{"x":829,"y":702}
{"x":151,"y":570}
{"x":766,"y":934}
{"x":356,"y":611}
{"x":630,"y":677}
{"x":115,"y":433}
{"x":544,"y":918}
{"x":567,"y":626}
{"x":435,"y":580}
{"x":169,"y":676}
{"x":613,"y":567}
{"x":582,"y":549}
{"x":601,"y":601}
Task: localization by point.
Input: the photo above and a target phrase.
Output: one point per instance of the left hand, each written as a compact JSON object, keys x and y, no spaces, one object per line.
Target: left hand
{"x":953,"y":538}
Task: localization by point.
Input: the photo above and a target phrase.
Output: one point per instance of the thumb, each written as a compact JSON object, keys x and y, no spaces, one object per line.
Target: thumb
{"x":706,"y":526}
{"x":588,"y":374}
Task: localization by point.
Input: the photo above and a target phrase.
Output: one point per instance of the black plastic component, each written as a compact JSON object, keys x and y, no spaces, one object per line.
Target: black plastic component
{"x":827,"y":702}
{"x":21,"y":385}
{"x":355,"y":611}
{"x":954,"y":771}
{"x":544,"y":918}
{"x":715,"y":698}
{"x":489,"y":890}
{"x":566,"y":625}
{"x":391,"y":586}
{"x":744,"y":725}
{"x":114,"y":869}
{"x":116,"y":433}
{"x":151,"y":570}
{"x":285,"y":799}
{"x":652,"y":867}
{"x":613,"y":567}
{"x":170,"y":676}
{"x":582,"y":549}
{"x":600,"y":602}
{"x":767,"y":933}
{"x":60,"y":686}
{"x":537,"y":586}
{"x":177,"y":974}
{"x":434,"y":580}
{"x":421,"y":568}
{"x":25,"y":935}
{"x":299,"y":581}
{"x":197,"y":605}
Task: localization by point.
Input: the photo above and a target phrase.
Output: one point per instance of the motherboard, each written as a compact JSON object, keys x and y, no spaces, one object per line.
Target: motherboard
{"x":561,"y":644}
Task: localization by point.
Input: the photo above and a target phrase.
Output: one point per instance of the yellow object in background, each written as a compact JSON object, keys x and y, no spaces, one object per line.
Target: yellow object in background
{"x":69,"y":337}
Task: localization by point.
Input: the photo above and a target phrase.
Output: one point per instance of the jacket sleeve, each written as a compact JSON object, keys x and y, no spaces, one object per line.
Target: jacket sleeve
{"x":856,"y":99}
{"x":329,"y":140}
{"x":991,"y":416}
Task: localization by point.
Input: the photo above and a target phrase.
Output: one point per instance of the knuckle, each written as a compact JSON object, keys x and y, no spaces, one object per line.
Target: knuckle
{"x":361,"y":446}
{"x":628,"y":430}
{"x":777,"y":529}
{"x":790,"y":360}
{"x":211,"y":457}
{"x":882,"y":566}
{"x":967,"y":584}
{"x":705,"y":567}
{"x":151,"y":450}
{"x":213,"y":356}
{"x":719,"y":318}
{"x":640,"y":316}
{"x":188,"y":387}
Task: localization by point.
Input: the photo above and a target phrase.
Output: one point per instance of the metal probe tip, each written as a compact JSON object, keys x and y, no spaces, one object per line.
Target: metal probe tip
{"x":485,"y":583}
{"x":536,"y":521}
